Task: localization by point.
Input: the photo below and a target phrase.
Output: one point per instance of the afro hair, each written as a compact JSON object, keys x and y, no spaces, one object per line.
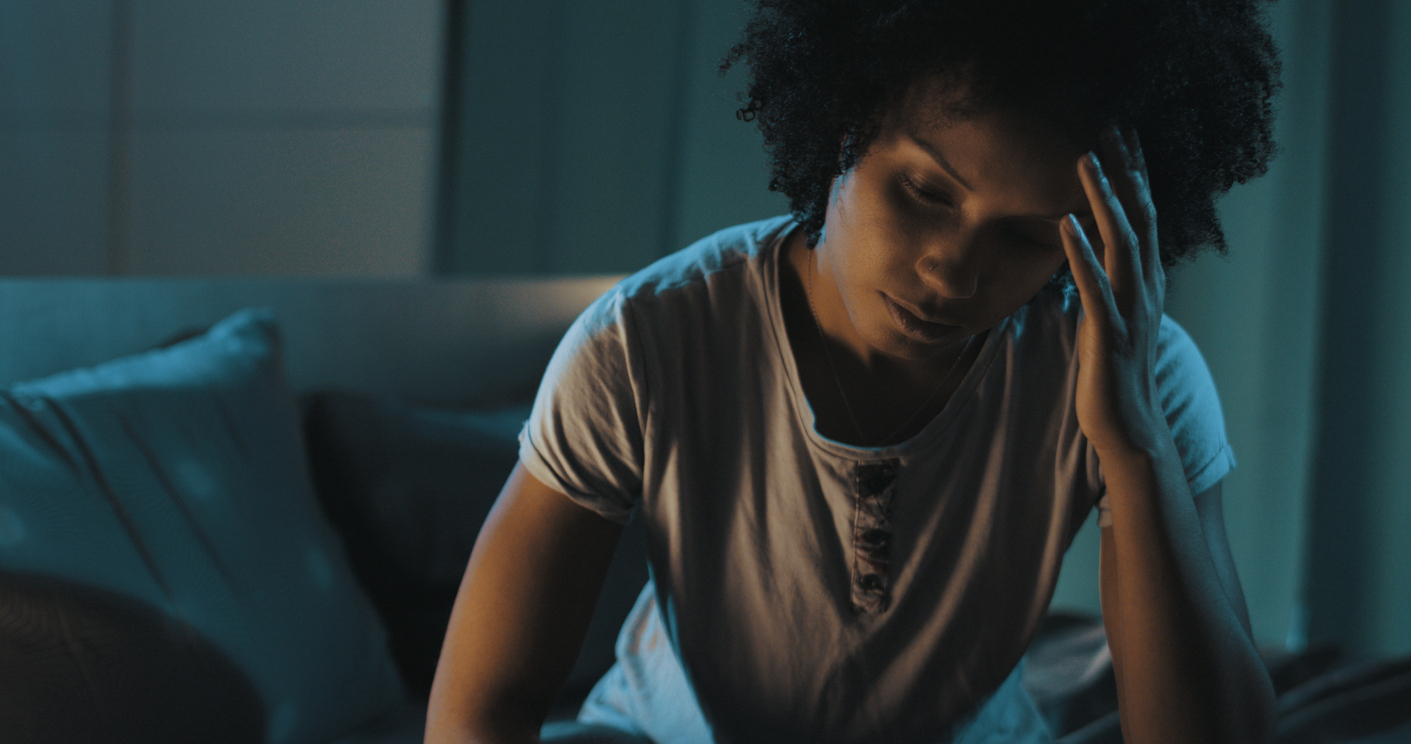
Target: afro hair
{"x":1196,"y":79}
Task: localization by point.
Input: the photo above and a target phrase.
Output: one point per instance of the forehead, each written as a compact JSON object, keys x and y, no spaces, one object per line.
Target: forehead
{"x":1004,"y":151}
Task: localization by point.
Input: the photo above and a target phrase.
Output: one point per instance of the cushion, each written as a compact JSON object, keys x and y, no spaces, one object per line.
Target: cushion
{"x":83,"y":664}
{"x":177,"y":477}
{"x":408,"y":487}
{"x":414,"y":482}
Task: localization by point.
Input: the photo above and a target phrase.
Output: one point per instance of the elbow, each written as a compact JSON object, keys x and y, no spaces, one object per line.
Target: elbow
{"x":1246,"y":711}
{"x":445,"y":732}
{"x":1263,"y":716}
{"x":442,"y":728}
{"x":1228,"y":707}
{"x":452,"y":719}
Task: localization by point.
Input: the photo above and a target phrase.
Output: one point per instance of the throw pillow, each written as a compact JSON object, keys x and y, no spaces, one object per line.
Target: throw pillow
{"x":80,"y":664}
{"x":408,"y":487}
{"x":177,"y":477}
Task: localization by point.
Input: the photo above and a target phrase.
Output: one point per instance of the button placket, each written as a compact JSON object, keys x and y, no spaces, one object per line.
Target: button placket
{"x":874,"y":485}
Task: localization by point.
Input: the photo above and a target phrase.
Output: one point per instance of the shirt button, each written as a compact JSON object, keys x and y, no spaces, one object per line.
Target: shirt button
{"x":876,"y":536}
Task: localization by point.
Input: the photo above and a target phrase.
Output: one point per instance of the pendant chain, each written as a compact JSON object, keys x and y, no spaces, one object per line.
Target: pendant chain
{"x":837,"y":380}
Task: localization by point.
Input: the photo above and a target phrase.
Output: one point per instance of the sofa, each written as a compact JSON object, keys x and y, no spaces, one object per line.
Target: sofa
{"x":237,"y":510}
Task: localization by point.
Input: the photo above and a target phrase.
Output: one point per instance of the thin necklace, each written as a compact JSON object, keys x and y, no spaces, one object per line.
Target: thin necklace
{"x":837,"y":380}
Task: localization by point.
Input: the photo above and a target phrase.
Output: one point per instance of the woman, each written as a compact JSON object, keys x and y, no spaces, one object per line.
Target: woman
{"x":863,"y":436}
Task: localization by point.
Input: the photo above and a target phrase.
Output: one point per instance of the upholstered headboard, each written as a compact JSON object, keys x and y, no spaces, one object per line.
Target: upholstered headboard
{"x":477,"y":341}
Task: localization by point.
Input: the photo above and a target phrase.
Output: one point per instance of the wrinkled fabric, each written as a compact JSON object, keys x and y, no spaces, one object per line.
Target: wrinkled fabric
{"x":808,"y":590}
{"x":646,"y":695}
{"x":176,"y":477}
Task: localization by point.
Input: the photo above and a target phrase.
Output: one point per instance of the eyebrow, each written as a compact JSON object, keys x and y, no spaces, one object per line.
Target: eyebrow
{"x":940,"y":160}
{"x":948,"y":168}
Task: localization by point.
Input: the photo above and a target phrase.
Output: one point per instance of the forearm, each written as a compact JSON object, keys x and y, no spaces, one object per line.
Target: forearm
{"x":1187,"y":667}
{"x":520,"y":617}
{"x":493,"y":683}
{"x":442,"y":733}
{"x":449,"y":722}
{"x":483,"y":692}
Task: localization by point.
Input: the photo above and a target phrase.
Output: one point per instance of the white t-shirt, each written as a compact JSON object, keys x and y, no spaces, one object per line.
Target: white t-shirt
{"x":808,"y":590}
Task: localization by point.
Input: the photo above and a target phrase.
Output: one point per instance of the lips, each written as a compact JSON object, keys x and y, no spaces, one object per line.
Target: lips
{"x":917,"y":327}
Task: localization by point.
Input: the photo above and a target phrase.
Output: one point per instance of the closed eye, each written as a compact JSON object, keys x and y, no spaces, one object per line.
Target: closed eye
{"x":924,"y":194}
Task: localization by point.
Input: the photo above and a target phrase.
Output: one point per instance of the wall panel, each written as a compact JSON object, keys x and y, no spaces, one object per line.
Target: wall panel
{"x":55,"y":70}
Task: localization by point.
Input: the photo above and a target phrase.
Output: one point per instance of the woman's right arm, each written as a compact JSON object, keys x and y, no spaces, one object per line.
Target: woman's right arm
{"x":521,"y":615}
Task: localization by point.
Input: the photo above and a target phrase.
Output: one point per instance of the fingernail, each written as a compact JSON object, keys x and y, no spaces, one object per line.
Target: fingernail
{"x":1071,"y":224}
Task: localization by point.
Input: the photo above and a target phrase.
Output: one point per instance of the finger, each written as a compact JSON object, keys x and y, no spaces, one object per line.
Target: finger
{"x":1093,"y":287}
{"x":1127,"y":168}
{"x":1137,"y":159}
{"x":1144,"y":216}
{"x":1121,"y":257}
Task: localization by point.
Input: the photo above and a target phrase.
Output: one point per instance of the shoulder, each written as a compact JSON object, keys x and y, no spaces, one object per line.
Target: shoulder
{"x":720,"y":275}
{"x":1050,"y":322}
{"x":733,"y":252}
{"x":1177,"y":350}
{"x":1181,"y":372}
{"x":1044,"y":343}
{"x":587,"y":435}
{"x":1192,"y":407}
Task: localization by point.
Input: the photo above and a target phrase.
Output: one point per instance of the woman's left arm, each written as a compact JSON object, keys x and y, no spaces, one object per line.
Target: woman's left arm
{"x":1187,"y":668}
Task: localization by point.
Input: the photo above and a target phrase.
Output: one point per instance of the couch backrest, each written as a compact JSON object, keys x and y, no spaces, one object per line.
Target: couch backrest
{"x":472,"y":341}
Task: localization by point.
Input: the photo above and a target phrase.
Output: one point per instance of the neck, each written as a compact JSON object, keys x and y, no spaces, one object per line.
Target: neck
{"x":859,"y":397}
{"x":852,"y":356}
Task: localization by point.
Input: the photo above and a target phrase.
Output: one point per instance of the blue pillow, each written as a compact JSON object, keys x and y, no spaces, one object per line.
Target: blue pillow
{"x":177,"y":476}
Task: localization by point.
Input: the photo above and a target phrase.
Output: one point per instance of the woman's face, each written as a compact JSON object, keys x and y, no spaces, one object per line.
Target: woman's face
{"x":943,"y":228}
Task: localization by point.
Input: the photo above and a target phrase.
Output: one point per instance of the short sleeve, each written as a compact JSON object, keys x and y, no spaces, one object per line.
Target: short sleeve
{"x":1192,"y":410}
{"x":584,"y":434}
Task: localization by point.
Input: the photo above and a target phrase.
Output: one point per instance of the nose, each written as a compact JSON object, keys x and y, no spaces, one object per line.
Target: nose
{"x":952,"y":267}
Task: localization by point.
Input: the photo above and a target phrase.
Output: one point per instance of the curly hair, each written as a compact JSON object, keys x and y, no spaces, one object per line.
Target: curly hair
{"x":1195,"y":78}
